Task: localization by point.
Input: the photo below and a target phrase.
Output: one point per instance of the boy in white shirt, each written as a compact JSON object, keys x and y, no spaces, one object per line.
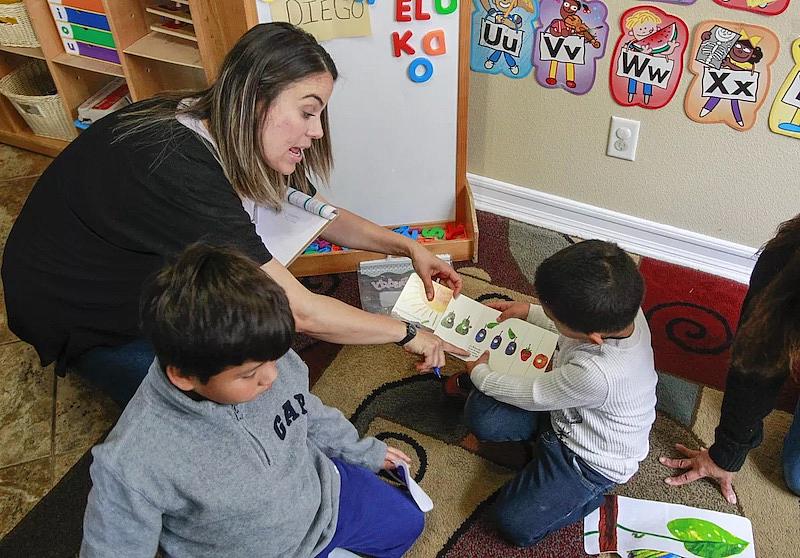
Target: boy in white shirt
{"x":590,"y":416}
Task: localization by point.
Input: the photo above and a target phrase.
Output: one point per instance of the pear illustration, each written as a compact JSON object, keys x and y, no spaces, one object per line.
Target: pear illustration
{"x":464,"y":327}
{"x":449,"y":320}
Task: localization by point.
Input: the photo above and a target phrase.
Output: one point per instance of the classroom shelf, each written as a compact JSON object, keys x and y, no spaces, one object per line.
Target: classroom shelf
{"x":90,"y":64}
{"x":184,"y":33}
{"x":31,"y":52}
{"x":31,"y":142}
{"x":157,"y":46}
{"x":182,"y":15}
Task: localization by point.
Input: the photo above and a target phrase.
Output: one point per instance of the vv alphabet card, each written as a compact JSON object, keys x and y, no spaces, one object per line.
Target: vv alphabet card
{"x":647,"y":64}
{"x":571,"y":38}
{"x":515,"y":346}
{"x":502,"y":37}
{"x":731,"y":62}
{"x":763,"y":7}
{"x":784,"y":117}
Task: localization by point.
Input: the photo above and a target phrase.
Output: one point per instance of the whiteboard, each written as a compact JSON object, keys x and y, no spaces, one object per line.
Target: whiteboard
{"x":394,"y":141}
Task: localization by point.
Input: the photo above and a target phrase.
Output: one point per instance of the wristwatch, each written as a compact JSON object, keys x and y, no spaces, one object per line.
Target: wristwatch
{"x":411,"y":332}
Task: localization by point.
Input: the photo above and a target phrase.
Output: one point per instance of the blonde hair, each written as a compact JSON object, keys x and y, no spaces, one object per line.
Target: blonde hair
{"x":640,"y":17}
{"x":263,"y":63}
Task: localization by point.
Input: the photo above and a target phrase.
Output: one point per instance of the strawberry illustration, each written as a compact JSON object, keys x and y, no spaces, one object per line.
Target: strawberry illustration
{"x":525,"y":353}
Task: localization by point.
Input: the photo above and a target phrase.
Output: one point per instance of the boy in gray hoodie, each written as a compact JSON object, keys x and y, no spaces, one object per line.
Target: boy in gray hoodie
{"x":223,"y":451}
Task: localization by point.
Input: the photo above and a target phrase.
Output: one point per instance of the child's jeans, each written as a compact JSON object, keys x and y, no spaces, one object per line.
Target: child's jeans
{"x":375,"y":518}
{"x":791,"y":454}
{"x":555,"y":489}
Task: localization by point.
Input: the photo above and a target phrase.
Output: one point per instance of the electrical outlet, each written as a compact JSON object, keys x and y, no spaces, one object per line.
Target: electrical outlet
{"x":623,"y":137}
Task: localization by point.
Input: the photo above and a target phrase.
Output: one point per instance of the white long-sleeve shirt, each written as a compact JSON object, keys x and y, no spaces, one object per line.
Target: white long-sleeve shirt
{"x":601,"y":398}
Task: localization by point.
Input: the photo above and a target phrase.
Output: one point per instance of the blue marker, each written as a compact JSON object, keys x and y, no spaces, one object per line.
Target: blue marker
{"x":437,"y":372}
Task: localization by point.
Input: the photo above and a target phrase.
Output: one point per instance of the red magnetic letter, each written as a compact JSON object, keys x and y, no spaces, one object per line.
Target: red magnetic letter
{"x":401,"y":9}
{"x":401,"y":43}
{"x":418,"y":13}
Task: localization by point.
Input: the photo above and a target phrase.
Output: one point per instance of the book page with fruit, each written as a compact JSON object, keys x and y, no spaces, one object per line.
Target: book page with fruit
{"x":515,"y":346}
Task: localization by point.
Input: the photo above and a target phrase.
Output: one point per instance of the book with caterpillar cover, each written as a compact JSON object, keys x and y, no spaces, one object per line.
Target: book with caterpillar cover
{"x":515,"y":346}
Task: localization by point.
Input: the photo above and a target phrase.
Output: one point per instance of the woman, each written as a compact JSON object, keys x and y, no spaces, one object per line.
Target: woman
{"x":766,"y":349}
{"x":139,"y":186}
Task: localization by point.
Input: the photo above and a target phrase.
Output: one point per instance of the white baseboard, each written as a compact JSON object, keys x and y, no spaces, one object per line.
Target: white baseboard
{"x":639,"y":236}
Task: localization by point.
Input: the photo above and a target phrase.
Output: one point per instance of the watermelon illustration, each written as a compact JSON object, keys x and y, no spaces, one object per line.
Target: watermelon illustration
{"x":657,"y":41}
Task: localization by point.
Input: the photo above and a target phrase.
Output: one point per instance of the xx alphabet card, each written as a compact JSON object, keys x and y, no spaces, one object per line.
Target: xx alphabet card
{"x":731,"y":62}
{"x":648,"y":58}
{"x":570,"y":39}
{"x":502,"y":37}
{"x":784,"y":118}
{"x":763,"y":7}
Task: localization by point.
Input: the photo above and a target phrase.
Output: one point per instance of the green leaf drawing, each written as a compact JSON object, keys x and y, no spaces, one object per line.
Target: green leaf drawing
{"x":491,"y":325}
{"x":706,"y":539}
{"x":511,"y":334}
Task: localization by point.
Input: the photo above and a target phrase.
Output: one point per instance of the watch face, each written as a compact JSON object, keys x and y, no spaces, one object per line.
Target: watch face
{"x":411,"y":329}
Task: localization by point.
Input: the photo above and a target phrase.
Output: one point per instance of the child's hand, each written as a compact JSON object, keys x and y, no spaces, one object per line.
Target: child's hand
{"x":510,"y":309}
{"x":483,"y":359}
{"x":393,"y":455}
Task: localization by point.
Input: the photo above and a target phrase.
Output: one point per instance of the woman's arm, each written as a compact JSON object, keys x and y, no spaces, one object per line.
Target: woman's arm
{"x":350,"y":230}
{"x":331,"y":320}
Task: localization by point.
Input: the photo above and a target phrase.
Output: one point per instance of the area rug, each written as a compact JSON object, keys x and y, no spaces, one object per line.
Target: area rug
{"x":378,"y":389}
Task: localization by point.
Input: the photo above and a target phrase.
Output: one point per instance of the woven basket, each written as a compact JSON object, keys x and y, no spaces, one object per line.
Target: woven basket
{"x":15,"y":26}
{"x":30,"y":89}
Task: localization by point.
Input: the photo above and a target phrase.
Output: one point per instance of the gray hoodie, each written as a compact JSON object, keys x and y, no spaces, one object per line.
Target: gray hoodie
{"x":202,"y":479}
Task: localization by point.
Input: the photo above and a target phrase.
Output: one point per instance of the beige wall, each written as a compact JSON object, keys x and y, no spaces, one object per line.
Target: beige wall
{"x":709,"y":179}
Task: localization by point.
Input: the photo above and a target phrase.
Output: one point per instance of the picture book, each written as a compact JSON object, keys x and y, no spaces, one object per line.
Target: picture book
{"x":515,"y":346}
{"x":647,"y":529}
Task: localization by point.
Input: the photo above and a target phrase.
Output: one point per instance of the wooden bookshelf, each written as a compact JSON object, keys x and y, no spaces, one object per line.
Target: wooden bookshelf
{"x":153,"y":57}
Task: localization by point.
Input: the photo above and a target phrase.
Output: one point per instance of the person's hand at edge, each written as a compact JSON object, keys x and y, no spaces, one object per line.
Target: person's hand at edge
{"x":432,"y":349}
{"x":430,"y":267}
{"x":510,"y":309}
{"x":698,"y":465}
{"x":393,"y":456}
{"x":483,"y":359}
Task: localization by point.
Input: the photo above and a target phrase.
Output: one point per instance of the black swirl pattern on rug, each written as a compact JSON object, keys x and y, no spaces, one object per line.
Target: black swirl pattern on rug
{"x":494,"y":296}
{"x":422,"y":455}
{"x":690,"y":325}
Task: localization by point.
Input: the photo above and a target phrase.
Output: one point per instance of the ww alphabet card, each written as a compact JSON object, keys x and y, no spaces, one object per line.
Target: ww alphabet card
{"x":731,"y":62}
{"x":647,"y":63}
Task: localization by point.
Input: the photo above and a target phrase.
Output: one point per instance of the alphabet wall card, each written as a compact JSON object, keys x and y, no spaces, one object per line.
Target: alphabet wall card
{"x":646,"y":529}
{"x":325,"y":19}
{"x":731,"y":62}
{"x":684,"y":2}
{"x":763,"y":7}
{"x":784,"y":118}
{"x":502,"y":37}
{"x":571,"y":37}
{"x":648,"y":59}
{"x":515,"y":346}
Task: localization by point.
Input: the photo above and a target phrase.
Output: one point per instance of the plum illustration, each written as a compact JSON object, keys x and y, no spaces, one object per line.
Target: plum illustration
{"x":464,"y":327}
{"x":481,"y":335}
{"x":449,"y":320}
{"x":496,"y":341}
{"x":511,"y":348}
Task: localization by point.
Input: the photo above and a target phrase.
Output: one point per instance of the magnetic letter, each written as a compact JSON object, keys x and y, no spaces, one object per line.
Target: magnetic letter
{"x":427,"y":43}
{"x":427,"y":70}
{"x":402,"y":8}
{"x":401,"y":44}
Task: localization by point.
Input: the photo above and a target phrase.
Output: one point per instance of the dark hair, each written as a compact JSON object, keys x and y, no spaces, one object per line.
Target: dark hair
{"x":757,"y":54}
{"x":591,"y":287}
{"x":214,"y":308}
{"x":768,"y":340}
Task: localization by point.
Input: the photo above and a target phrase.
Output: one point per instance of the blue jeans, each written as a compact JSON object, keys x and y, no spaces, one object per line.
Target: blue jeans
{"x":117,"y":371}
{"x":791,"y":454}
{"x":555,"y":489}
{"x":375,"y":518}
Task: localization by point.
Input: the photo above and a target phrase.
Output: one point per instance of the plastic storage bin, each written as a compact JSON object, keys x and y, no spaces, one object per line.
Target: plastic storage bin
{"x":32,"y":92}
{"x":15,"y":26}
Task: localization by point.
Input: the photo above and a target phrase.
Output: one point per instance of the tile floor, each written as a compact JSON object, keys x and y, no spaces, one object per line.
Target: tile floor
{"x":46,"y":423}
